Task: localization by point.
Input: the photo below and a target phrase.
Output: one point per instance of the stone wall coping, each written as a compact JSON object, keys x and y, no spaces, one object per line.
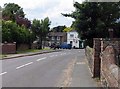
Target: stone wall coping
{"x":107,"y":39}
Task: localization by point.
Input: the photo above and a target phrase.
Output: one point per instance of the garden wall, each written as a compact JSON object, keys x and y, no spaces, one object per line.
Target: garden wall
{"x":104,"y":61}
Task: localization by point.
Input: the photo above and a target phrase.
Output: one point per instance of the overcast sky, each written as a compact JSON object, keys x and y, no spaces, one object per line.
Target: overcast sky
{"x":40,"y":9}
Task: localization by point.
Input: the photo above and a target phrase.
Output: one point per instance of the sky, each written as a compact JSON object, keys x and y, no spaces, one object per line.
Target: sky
{"x":39,"y":9}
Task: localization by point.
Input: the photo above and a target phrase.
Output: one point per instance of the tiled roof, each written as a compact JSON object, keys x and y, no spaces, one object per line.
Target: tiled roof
{"x":57,"y":34}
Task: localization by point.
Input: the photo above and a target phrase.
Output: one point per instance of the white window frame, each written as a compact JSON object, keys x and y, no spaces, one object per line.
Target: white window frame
{"x":71,"y":35}
{"x":58,"y":37}
{"x":53,"y":38}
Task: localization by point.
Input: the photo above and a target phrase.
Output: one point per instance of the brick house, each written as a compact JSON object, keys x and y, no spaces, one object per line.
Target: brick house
{"x":57,"y":37}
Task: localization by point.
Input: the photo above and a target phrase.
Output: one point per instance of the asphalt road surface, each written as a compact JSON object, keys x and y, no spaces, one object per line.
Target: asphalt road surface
{"x":67,"y":68}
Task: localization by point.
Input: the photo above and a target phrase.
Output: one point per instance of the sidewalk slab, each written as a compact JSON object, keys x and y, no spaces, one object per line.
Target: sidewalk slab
{"x":81,"y":76}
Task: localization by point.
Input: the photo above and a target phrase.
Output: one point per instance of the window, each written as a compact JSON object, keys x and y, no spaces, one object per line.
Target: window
{"x":71,"y":35}
{"x":53,"y":38}
{"x":58,"y":38}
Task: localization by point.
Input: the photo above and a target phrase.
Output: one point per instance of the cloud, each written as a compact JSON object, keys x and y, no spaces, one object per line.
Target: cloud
{"x":28,"y":4}
{"x":40,"y":9}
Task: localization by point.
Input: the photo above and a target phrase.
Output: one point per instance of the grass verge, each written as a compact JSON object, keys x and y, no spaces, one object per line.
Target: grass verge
{"x":24,"y":52}
{"x":32,"y":50}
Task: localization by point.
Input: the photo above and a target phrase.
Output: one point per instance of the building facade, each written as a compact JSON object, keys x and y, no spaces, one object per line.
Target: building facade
{"x":73,"y":39}
{"x":57,"y":37}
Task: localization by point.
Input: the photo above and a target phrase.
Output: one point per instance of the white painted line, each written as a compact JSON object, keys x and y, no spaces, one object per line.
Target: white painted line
{"x":52,"y":56}
{"x":80,"y":63}
{"x":63,"y":53}
{"x":56,"y":55}
{"x":3,"y":73}
{"x":41,"y":59}
{"x":24,"y":65}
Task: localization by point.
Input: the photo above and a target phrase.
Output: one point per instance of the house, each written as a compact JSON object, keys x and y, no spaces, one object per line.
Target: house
{"x":57,"y":37}
{"x":73,"y":39}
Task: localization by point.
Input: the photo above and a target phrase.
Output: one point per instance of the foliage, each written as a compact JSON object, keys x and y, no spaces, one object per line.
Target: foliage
{"x":93,"y":19}
{"x":23,"y":21}
{"x":58,"y":28}
{"x":41,"y":28}
{"x":11,"y":10}
{"x":15,"y":13}
{"x":11,"y":32}
{"x":15,"y":27}
{"x":67,"y":29}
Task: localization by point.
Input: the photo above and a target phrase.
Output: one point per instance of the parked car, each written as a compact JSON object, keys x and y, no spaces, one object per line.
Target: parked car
{"x":58,"y":46}
{"x":54,"y":46}
{"x":66,"y":46}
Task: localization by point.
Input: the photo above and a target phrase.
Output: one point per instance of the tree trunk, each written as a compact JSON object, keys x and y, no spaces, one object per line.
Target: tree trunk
{"x":44,"y":42}
{"x":40,"y":43}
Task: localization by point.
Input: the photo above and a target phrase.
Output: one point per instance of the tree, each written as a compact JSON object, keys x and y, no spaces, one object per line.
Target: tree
{"x":11,"y":32}
{"x":58,"y":28}
{"x":23,"y":21}
{"x":11,"y":10}
{"x":67,"y":29}
{"x":15,"y":27}
{"x":93,"y":19}
{"x":15,"y":13}
{"x":41,"y":28}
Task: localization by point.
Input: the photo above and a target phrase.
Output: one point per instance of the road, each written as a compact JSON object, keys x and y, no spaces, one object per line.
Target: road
{"x":67,"y":68}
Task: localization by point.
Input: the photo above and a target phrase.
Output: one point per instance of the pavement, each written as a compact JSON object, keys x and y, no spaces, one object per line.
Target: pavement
{"x":64,"y":68}
{"x":9,"y":56}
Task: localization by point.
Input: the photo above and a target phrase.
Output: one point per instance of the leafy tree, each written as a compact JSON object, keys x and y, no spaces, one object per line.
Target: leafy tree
{"x":11,"y":32}
{"x":67,"y":29}
{"x":23,"y":21}
{"x":15,"y":13}
{"x":93,"y":19}
{"x":58,"y":28}
{"x":11,"y":10}
{"x":41,"y":28}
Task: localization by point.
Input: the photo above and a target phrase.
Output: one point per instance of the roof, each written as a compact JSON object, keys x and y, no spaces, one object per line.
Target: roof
{"x":73,"y":31}
{"x":57,"y":34}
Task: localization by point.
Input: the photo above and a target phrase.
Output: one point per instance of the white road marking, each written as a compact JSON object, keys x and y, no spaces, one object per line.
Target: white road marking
{"x":24,"y":65}
{"x":41,"y":59}
{"x":80,"y":63}
{"x":63,"y":53}
{"x":52,"y":56}
{"x":3,"y":73}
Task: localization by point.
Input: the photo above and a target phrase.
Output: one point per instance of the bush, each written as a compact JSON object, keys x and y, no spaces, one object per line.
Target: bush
{"x":11,"y":32}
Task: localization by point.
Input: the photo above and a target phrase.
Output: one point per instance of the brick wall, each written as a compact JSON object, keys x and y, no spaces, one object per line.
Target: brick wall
{"x":8,"y":48}
{"x":104,"y":62}
{"x":94,"y":60}
{"x":96,"y":57}
{"x":109,"y":69}
{"x":109,"y":60}
{"x":89,"y":56}
{"x":22,"y":47}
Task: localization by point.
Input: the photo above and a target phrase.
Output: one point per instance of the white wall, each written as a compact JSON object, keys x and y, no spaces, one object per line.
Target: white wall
{"x":74,"y":39}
